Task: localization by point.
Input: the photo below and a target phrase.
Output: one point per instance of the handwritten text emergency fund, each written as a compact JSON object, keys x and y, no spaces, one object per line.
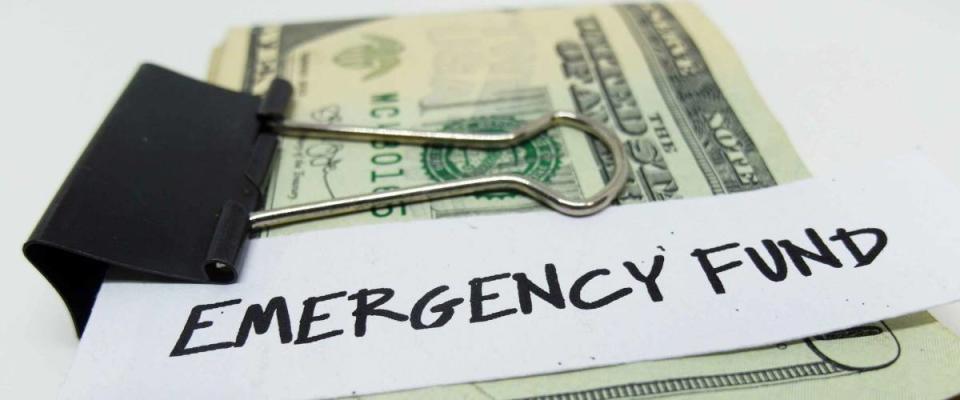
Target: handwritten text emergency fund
{"x":776,"y":260}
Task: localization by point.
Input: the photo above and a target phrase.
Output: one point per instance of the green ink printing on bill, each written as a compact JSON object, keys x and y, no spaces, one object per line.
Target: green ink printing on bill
{"x":537,"y":159}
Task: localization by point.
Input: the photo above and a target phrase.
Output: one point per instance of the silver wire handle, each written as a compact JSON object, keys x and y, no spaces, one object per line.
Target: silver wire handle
{"x":533,"y":189}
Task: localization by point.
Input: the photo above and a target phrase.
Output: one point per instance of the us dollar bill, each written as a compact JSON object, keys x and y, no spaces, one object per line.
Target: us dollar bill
{"x":660,"y":76}
{"x":691,"y":128}
{"x":910,"y":357}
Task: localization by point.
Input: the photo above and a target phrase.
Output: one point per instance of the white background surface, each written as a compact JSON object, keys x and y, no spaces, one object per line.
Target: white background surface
{"x":851,"y":81}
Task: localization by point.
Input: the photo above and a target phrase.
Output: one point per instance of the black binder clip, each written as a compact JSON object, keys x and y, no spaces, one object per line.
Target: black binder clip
{"x":171,"y":183}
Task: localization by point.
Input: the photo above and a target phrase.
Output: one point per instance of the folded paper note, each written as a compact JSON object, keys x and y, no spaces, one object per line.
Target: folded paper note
{"x":379,"y":308}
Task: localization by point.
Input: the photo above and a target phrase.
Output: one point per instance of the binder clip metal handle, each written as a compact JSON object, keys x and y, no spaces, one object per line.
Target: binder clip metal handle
{"x":272,"y":111}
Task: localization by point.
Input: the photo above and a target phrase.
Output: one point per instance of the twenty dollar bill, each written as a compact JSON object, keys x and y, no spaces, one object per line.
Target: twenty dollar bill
{"x":660,"y":76}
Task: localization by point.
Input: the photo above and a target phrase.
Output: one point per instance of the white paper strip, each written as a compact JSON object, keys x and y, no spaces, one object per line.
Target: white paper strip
{"x":853,"y":249}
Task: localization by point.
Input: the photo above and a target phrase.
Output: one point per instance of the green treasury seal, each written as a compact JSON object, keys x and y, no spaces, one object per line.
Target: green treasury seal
{"x":538,"y":158}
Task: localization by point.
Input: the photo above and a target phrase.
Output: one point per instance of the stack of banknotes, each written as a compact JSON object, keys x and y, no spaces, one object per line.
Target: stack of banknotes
{"x":660,"y":75}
